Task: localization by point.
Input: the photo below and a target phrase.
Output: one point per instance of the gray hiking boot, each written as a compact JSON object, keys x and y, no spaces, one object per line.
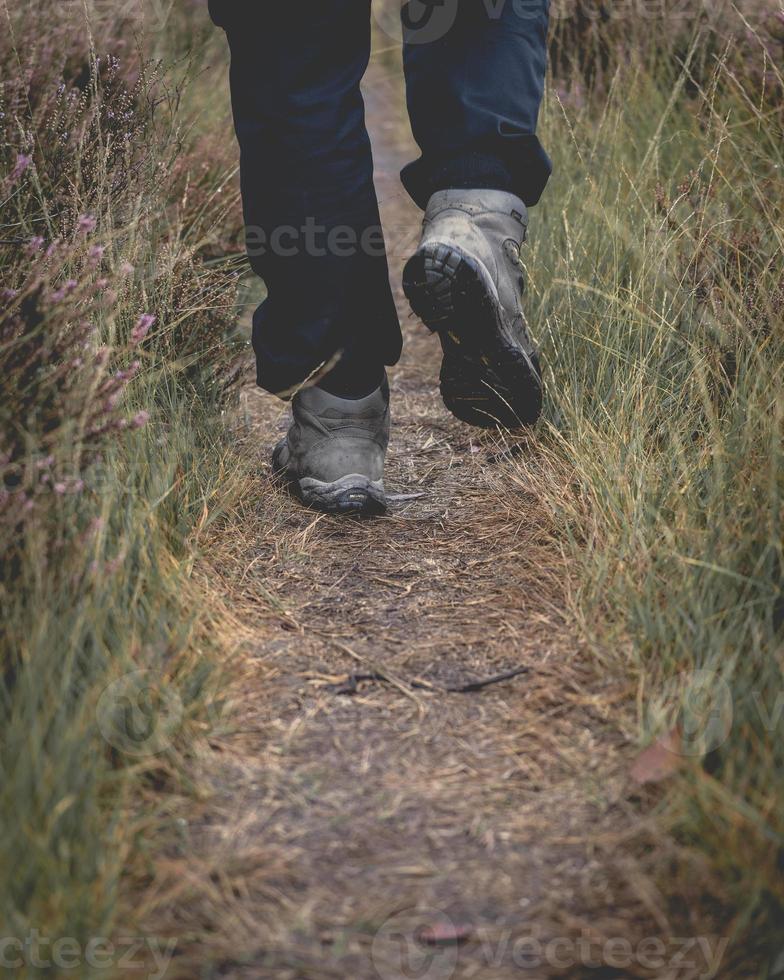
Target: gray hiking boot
{"x":333,"y":455}
{"x":465,"y":282}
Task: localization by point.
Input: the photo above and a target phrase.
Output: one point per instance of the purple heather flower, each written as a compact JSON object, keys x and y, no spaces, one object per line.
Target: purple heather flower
{"x":23,"y":161}
{"x":142,"y":328}
{"x":114,"y":564}
{"x":140,"y":419}
{"x":86,"y":224}
{"x":67,"y":287}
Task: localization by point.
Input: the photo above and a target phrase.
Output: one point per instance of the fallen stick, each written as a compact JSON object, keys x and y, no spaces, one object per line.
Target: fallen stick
{"x":350,"y":685}
{"x":481,"y":683}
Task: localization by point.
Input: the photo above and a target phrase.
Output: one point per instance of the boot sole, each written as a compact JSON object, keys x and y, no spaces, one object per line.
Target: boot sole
{"x":351,"y":494}
{"x":485,"y":381}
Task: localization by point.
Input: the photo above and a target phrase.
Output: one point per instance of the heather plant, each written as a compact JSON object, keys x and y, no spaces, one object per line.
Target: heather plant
{"x":116,"y":358}
{"x":64,"y":391}
{"x":85,"y":168}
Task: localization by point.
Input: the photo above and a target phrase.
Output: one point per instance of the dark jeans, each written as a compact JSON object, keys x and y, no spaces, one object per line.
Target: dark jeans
{"x":474,"y":73}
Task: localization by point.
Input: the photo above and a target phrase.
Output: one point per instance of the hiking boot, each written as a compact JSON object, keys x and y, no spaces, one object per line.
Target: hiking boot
{"x":465,"y":282}
{"x":333,"y":454}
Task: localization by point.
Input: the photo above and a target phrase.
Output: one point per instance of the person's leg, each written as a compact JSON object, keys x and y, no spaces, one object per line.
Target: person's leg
{"x":314,"y":237}
{"x":475,"y":77}
{"x":307,"y":187}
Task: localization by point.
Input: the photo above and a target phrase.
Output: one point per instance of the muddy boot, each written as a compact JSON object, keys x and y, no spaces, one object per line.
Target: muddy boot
{"x":333,"y":455}
{"x":465,"y":282}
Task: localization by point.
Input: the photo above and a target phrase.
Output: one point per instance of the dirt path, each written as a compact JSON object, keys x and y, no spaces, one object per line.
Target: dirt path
{"x":338,"y":826}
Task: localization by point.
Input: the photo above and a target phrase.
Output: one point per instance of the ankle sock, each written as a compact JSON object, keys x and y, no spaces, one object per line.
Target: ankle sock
{"x":473,"y":171}
{"x":353,"y":378}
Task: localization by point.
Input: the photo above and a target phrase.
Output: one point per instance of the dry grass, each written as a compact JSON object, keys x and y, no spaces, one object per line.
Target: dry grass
{"x":453,"y":787}
{"x":329,"y":815}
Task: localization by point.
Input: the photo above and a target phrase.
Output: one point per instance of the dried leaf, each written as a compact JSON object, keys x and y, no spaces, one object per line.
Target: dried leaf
{"x":445,"y":933}
{"x":658,"y":761}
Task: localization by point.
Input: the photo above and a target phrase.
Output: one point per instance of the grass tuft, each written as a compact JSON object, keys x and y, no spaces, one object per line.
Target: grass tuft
{"x":656,"y":282}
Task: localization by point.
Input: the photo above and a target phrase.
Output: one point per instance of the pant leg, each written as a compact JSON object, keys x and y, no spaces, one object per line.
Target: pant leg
{"x":311,"y":214}
{"x":475,"y":79}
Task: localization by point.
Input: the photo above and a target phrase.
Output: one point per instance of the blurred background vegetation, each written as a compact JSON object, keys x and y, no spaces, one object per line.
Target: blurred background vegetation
{"x":655,"y":286}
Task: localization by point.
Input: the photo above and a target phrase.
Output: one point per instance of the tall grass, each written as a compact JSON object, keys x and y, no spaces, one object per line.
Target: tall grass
{"x":657,"y":288}
{"x":116,"y":357}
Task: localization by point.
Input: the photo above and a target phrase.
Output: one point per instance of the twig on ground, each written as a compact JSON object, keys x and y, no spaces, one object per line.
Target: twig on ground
{"x":483,"y":682}
{"x":376,"y":672}
{"x":350,"y":685}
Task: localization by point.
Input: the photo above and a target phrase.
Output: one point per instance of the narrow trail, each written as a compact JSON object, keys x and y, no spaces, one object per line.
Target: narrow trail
{"x":338,"y":826}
